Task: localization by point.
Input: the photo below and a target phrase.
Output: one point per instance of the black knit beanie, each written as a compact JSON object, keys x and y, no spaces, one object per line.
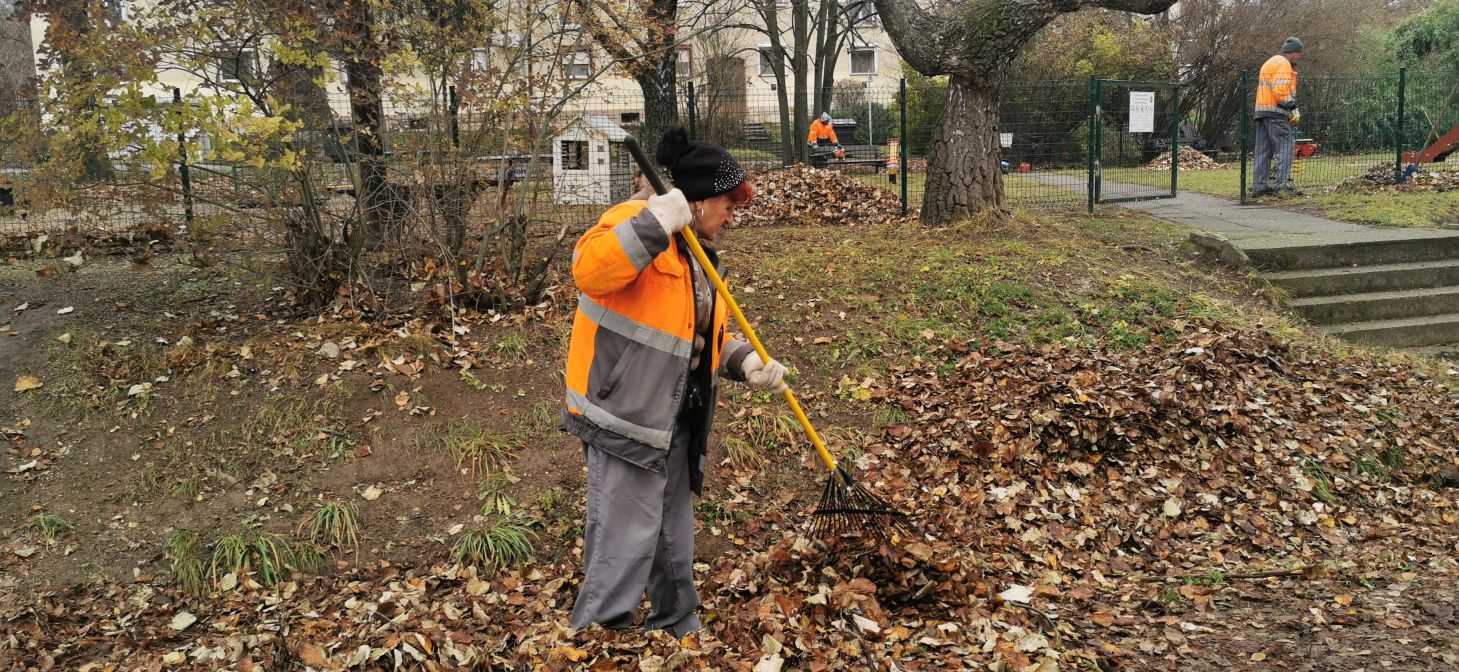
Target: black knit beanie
{"x":702,"y":170}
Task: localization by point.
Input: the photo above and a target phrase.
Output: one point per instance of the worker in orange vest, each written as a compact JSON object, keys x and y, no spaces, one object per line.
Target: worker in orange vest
{"x":822,"y":133}
{"x":648,"y":341}
{"x":1276,"y":111}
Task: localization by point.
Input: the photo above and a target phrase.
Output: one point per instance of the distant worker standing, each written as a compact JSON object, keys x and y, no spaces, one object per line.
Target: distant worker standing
{"x":1276,"y":111}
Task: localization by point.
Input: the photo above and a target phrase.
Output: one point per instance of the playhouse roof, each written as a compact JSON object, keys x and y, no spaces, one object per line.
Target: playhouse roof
{"x":602,"y":125}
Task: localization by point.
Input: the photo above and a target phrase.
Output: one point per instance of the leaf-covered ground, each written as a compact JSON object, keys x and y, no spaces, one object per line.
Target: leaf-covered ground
{"x":1113,"y":453}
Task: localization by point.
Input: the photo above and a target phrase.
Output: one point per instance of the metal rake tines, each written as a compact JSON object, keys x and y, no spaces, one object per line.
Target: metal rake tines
{"x":847,"y":506}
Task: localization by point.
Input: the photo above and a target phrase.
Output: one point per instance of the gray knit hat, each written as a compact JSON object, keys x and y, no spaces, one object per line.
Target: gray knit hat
{"x":1292,"y":46}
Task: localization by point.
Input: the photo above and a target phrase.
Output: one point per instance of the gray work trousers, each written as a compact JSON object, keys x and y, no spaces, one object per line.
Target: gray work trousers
{"x":639,"y":536}
{"x":1273,"y":140}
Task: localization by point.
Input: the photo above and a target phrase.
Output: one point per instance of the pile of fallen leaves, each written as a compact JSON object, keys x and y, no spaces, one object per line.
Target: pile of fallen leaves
{"x":1380,"y":178}
{"x":1054,"y":493}
{"x":804,"y":196}
{"x":1190,"y":159}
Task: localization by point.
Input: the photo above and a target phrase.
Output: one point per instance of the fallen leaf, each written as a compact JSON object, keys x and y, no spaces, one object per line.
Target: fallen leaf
{"x":1017,"y":593}
{"x":182,"y":620}
{"x":372,"y":493}
{"x":27,"y":383}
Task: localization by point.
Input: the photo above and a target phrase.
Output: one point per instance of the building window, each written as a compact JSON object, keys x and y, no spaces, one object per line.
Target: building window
{"x":684,"y":64}
{"x":236,"y":65}
{"x":576,"y":65}
{"x":479,"y":60}
{"x":767,"y":62}
{"x":629,"y":117}
{"x":574,"y":155}
{"x":863,"y":13}
{"x":863,"y":60}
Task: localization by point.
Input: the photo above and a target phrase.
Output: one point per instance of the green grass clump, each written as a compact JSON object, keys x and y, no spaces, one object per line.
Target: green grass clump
{"x":49,"y":527}
{"x":335,"y":524}
{"x":265,"y":554}
{"x":507,"y":542}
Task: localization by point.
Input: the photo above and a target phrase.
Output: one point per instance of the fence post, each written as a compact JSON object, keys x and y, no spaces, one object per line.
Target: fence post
{"x":455,"y":112}
{"x":693,"y":114}
{"x":1174,"y":140}
{"x":1398,"y":135}
{"x":1245,"y":129}
{"x":182,"y":170}
{"x":1089,"y":140}
{"x":906,"y":157}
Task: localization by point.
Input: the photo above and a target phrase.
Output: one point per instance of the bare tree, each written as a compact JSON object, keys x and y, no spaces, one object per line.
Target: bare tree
{"x":974,"y":42}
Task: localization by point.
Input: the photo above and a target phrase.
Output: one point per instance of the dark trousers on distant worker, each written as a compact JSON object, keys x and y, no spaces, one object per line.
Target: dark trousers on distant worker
{"x":1273,"y":141}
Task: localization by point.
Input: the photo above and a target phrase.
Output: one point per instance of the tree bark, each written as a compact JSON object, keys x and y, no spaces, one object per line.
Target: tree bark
{"x":974,"y":42}
{"x":365,"y":82}
{"x":658,"y":81}
{"x":801,"y":33}
{"x":963,"y":175}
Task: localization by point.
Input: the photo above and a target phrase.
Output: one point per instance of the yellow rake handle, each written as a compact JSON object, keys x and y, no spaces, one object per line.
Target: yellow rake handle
{"x":658,"y":184}
{"x":749,"y":332}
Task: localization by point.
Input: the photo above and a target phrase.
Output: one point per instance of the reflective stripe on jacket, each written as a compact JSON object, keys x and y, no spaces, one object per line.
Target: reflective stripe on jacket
{"x":820,"y":131}
{"x":1278,"y":84}
{"x":633,"y":336}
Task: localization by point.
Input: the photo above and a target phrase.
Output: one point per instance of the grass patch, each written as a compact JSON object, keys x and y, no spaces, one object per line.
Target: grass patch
{"x":476,"y":449}
{"x":189,"y":572}
{"x":49,"y":527}
{"x":419,"y":345}
{"x":265,"y":554}
{"x":1417,"y":209}
{"x":334,"y":524}
{"x":507,"y":542}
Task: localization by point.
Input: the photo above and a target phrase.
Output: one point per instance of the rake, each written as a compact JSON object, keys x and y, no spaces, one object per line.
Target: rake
{"x":845,"y":506}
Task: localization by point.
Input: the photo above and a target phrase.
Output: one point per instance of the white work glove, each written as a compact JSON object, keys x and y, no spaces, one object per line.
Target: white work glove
{"x":762,"y":376}
{"x":671,"y":209}
{"x":1296,"y":115}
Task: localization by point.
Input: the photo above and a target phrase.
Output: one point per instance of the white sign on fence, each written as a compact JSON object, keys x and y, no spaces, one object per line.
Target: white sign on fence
{"x":1142,"y":111}
{"x":1005,"y":139}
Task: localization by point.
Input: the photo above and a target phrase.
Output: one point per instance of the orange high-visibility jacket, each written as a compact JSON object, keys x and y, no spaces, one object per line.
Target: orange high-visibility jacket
{"x":633,"y":338}
{"x":820,"y":131}
{"x":1278,"y":85}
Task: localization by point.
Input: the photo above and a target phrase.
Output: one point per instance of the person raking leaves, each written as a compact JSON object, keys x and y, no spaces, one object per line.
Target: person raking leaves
{"x":648,"y":341}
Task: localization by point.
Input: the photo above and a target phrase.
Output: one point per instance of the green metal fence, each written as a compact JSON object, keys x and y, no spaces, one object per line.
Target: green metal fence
{"x":1354,"y":127}
{"x":1062,"y":142}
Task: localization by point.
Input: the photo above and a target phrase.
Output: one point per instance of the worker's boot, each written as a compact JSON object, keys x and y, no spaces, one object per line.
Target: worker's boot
{"x":1290,"y":191}
{"x":1258,"y":194}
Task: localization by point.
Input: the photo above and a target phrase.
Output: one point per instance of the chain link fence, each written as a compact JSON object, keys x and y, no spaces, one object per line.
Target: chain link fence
{"x":1050,"y":151}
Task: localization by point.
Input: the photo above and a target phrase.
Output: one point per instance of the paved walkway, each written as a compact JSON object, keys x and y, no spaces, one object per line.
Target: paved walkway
{"x":1252,"y":227}
{"x":1248,"y":226}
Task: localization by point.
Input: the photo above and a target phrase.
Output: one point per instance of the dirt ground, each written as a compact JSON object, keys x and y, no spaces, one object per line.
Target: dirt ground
{"x":176,"y":397}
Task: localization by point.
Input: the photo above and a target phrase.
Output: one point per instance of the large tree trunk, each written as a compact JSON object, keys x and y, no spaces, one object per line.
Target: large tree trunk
{"x":800,"y":68}
{"x":974,"y":43}
{"x":658,"y":80}
{"x":963,"y":176}
{"x":366,"y":82}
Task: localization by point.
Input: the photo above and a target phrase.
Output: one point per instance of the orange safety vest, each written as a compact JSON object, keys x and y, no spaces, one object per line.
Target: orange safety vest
{"x":820,"y":131}
{"x":633,"y":338}
{"x":1278,"y":84}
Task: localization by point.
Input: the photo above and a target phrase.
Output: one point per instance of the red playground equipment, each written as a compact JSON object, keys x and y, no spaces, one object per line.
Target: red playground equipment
{"x":1437,"y":151}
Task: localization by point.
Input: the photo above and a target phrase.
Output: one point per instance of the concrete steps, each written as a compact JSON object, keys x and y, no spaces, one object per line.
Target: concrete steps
{"x":1343,"y":308}
{"x":1412,"y":332}
{"x":1402,"y":246}
{"x":1362,"y":279}
{"x":1387,"y":287}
